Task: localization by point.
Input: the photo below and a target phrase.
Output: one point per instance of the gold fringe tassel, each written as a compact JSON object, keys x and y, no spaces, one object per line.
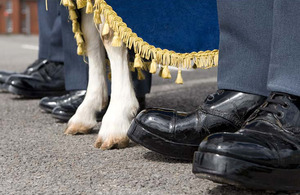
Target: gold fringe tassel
{"x":116,"y":41}
{"x":71,"y":4}
{"x":65,"y":3}
{"x":81,"y":3}
{"x":73,"y":15}
{"x":179,"y":79}
{"x":216,"y":60}
{"x":98,"y":2}
{"x":97,"y":17}
{"x":153,"y":67}
{"x":80,"y":50}
{"x":79,"y":38}
{"x":166,"y":73}
{"x":75,"y":27}
{"x":106,"y":29}
{"x":141,"y":76}
{"x":89,"y":7}
{"x":138,"y":63}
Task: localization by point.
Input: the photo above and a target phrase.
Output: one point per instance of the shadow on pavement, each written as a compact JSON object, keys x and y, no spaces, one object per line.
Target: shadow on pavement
{"x":152,"y":156}
{"x":232,"y":190}
{"x":21,"y":98}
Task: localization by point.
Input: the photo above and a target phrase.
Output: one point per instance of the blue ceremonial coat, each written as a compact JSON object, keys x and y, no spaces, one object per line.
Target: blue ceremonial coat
{"x":183,"y":26}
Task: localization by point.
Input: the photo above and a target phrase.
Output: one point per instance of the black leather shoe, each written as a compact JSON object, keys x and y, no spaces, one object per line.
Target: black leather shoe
{"x":3,"y":77}
{"x":264,"y":154}
{"x":49,"y":103}
{"x":67,"y":108}
{"x":33,"y":67}
{"x":46,"y":80}
{"x":178,"y":134}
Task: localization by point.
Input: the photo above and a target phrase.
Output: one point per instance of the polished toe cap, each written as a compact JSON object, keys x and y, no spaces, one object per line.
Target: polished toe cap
{"x":48,"y":104}
{"x":5,"y":75}
{"x":21,"y":81}
{"x":14,"y":80}
{"x":239,"y":145}
{"x":62,"y":114}
{"x":157,"y":120}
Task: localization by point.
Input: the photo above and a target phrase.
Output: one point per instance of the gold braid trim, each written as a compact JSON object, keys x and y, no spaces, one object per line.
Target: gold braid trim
{"x":72,"y":6}
{"x":123,"y":34}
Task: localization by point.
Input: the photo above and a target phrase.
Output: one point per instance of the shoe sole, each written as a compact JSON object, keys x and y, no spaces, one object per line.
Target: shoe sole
{"x":63,"y":118}
{"x":33,"y":94}
{"x":244,"y":174}
{"x":3,"y":87}
{"x":160,"y":145}
{"x":45,"y":108}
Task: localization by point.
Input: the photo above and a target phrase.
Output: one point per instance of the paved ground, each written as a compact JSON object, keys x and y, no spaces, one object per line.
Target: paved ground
{"x":36,"y":158}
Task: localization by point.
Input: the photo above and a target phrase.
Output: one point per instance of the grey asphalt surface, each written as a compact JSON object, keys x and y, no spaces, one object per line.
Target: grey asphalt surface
{"x":36,"y":158}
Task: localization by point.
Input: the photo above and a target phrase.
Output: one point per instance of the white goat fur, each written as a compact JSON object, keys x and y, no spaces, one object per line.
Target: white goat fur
{"x":123,"y":103}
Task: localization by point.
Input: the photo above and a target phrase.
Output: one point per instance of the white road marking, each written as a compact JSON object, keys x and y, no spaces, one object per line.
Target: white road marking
{"x":30,"y":47}
{"x":183,"y":69}
{"x":171,"y":87}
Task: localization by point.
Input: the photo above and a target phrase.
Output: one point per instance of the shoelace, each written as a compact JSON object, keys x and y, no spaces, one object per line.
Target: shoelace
{"x":49,"y":70}
{"x":273,"y":102}
{"x":34,"y":66}
{"x":66,"y":96}
{"x":52,"y":69}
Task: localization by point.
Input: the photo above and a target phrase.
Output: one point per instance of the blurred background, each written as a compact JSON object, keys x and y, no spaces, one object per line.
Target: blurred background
{"x":18,"y":34}
{"x":18,"y":17}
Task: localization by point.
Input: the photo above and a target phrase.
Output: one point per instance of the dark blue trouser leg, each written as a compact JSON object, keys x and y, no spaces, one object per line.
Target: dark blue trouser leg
{"x":76,"y":70}
{"x":259,"y":46}
{"x":284,"y":68}
{"x":245,"y":44}
{"x":57,"y":43}
{"x":50,"y":39}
